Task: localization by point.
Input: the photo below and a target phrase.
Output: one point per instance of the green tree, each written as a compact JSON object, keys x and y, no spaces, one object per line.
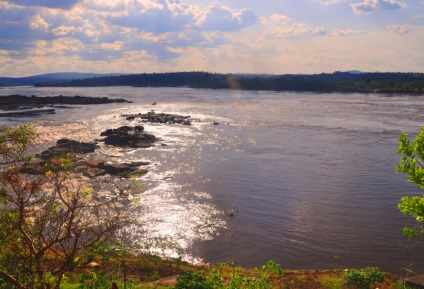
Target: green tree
{"x":412,"y":164}
{"x":48,"y":222}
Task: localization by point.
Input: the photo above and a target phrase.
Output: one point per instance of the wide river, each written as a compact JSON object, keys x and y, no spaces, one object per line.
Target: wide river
{"x":310,"y":177}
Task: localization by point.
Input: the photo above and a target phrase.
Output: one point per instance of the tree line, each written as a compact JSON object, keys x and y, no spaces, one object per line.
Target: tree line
{"x":376,"y":82}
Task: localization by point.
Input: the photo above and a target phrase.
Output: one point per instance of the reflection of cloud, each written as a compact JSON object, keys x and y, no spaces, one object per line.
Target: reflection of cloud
{"x":399,"y":29}
{"x":368,"y":6}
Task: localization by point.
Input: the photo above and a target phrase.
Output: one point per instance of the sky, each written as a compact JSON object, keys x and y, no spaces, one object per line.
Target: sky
{"x":224,"y":36}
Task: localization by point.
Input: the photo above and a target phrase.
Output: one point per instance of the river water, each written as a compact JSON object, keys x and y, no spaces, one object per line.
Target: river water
{"x":309,"y":177}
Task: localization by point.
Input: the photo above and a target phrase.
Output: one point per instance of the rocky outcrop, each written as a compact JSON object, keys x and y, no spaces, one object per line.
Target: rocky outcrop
{"x":24,"y":106}
{"x":154,"y":117}
{"x":27,"y":113}
{"x":65,"y":146}
{"x":69,"y":154}
{"x":127,"y":136}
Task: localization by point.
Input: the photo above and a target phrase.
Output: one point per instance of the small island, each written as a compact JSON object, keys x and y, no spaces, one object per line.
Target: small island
{"x":21,"y":105}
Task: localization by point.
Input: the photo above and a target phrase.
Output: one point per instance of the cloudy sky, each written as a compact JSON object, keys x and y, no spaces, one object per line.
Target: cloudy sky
{"x":250,"y":36}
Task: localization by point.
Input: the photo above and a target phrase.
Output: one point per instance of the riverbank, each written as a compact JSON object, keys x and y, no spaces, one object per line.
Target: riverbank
{"x":149,"y":271}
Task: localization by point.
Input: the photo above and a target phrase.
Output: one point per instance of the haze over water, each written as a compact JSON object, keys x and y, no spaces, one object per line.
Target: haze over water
{"x":311,"y":177}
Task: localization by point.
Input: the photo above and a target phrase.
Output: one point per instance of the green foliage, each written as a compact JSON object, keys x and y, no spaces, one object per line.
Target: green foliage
{"x":363,"y":278}
{"x":334,"y":283}
{"x":48,"y":222}
{"x":411,"y":164}
{"x":94,"y":280}
{"x":273,"y":267}
{"x":218,"y":280}
{"x":192,"y":280}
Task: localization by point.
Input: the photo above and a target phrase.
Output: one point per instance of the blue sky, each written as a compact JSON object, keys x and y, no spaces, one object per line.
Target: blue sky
{"x":228,"y":36}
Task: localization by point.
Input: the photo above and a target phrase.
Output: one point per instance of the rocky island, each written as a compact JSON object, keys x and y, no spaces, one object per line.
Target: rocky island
{"x":21,"y":105}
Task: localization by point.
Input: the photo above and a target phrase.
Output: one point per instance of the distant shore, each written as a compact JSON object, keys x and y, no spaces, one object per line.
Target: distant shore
{"x":345,"y":82}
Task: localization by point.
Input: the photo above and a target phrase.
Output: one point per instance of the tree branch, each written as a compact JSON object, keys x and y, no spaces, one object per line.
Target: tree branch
{"x":10,"y":279}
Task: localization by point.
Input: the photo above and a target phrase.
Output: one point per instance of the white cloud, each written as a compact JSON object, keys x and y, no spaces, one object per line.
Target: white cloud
{"x":331,"y":2}
{"x":221,"y":18}
{"x":64,"y":30}
{"x":281,"y":26}
{"x":399,"y":29}
{"x":319,"y":31}
{"x":61,"y":4}
{"x":158,"y":16}
{"x":369,"y":6}
{"x":348,"y":32}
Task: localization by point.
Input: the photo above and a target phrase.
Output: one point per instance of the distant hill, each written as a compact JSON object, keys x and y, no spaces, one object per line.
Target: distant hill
{"x":54,"y":78}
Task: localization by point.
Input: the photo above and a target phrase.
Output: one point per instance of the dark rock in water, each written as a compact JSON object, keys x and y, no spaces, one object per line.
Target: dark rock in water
{"x":64,"y":147}
{"x":77,"y":147}
{"x":52,"y":159}
{"x":27,"y":113}
{"x":137,"y":172}
{"x":154,"y":117}
{"x":95,"y":163}
{"x":116,"y":169}
{"x":137,"y":164}
{"x":154,"y":103}
{"x":128,"y":137}
{"x":13,"y":102}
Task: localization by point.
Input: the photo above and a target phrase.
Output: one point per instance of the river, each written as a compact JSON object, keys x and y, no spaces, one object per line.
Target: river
{"x":310,"y":178}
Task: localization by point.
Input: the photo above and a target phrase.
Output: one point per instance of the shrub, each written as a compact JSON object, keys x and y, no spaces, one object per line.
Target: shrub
{"x":363,"y":278}
{"x":192,"y":280}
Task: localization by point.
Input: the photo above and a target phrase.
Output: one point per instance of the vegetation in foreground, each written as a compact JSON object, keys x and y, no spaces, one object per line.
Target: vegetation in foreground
{"x":59,"y":232}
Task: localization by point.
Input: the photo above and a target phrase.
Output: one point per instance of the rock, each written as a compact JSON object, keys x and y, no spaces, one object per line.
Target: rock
{"x":415,"y":282}
{"x":15,"y":102}
{"x":164,"y":118}
{"x":94,"y":172}
{"x":95,"y":163}
{"x":116,"y":169}
{"x":27,"y":113}
{"x":137,"y":164}
{"x":126,"y":136}
{"x":137,"y":172}
{"x":52,"y":159}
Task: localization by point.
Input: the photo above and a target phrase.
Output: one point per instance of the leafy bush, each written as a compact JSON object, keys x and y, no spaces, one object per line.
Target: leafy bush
{"x":192,"y":280}
{"x":363,"y":278}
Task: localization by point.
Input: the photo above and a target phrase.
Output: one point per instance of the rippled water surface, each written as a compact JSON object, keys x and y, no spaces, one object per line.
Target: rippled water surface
{"x":310,"y":177}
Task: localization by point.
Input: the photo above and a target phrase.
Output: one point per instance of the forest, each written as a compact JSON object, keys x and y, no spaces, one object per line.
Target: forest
{"x":375,"y":82}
